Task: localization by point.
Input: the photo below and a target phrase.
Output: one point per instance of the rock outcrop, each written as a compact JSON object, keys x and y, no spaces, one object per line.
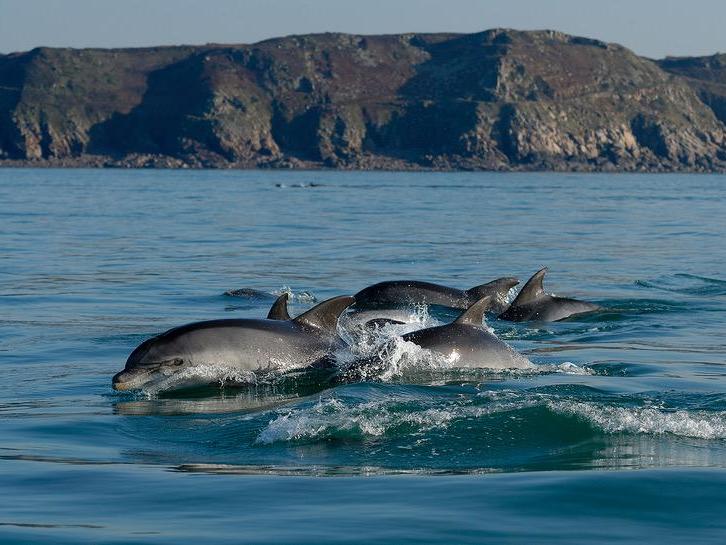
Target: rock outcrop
{"x":499,"y":99}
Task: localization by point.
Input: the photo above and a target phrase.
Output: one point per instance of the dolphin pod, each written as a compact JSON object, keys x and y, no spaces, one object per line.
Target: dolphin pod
{"x":280,"y":343}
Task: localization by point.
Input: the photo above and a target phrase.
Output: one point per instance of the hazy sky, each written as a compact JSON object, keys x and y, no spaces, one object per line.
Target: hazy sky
{"x":653,"y":28}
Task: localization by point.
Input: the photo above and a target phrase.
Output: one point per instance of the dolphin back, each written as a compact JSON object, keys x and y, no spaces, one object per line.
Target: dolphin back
{"x":410,"y":292}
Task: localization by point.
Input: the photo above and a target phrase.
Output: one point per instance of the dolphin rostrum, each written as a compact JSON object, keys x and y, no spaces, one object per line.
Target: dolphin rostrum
{"x":412,"y":292}
{"x":466,"y":343}
{"x":183,"y":356}
{"x":533,"y":303}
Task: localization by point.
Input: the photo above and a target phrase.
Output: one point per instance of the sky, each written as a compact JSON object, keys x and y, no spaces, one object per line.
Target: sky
{"x":653,"y":28}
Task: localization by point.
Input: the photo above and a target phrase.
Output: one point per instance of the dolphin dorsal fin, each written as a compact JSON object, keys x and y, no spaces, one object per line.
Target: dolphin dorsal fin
{"x":533,"y":289}
{"x":279,"y":308}
{"x":501,"y":285}
{"x":474,"y":315}
{"x":325,"y":315}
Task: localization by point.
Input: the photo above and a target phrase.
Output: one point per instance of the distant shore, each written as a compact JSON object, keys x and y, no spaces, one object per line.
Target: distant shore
{"x":171,"y":163}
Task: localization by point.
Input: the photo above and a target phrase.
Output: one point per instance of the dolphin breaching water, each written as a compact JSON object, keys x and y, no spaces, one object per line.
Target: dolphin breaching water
{"x":180,"y":357}
{"x":467,"y":343}
{"x":533,"y":303}
{"x":413,"y":292}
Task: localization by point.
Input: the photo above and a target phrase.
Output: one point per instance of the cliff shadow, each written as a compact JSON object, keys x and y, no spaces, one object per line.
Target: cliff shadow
{"x":167,"y":120}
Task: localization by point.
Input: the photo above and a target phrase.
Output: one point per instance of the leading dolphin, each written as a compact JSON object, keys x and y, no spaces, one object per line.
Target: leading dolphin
{"x":179,"y":356}
{"x":533,"y":303}
{"x":412,"y":292}
{"x":466,"y":343}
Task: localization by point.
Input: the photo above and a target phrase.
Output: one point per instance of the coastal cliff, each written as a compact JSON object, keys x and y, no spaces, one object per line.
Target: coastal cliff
{"x":499,"y":100}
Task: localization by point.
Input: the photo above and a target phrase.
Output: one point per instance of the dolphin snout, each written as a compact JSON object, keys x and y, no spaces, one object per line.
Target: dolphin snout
{"x":120,"y":381}
{"x":129,"y":379}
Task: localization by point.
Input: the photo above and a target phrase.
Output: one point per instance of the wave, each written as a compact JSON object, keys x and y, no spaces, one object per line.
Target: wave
{"x":332,"y":418}
{"x":686,"y":284}
{"x":646,"y":420}
{"x":338,"y":418}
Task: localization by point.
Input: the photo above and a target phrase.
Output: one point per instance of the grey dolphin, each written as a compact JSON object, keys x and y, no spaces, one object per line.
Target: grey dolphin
{"x":467,"y":343}
{"x":533,"y":303}
{"x":239,"y":346}
{"x":249,"y":293}
{"x":408,"y":292}
{"x":259,"y":295}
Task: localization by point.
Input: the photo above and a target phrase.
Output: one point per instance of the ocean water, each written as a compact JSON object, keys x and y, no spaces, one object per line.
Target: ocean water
{"x":619,"y":435}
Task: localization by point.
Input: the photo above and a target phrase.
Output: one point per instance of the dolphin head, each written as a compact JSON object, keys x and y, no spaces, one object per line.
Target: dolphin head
{"x":154,"y":359}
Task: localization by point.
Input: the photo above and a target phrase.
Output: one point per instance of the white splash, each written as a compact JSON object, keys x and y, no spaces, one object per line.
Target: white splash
{"x":648,"y":420}
{"x":331,"y":417}
{"x":199,"y":375}
{"x":566,"y":368}
{"x":298,"y":297}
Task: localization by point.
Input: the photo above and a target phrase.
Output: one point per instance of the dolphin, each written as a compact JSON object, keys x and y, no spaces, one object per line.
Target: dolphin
{"x":412,"y":292}
{"x":466,"y":342}
{"x":249,"y":293}
{"x":258,"y":295}
{"x":183,"y":356}
{"x":532,"y":303}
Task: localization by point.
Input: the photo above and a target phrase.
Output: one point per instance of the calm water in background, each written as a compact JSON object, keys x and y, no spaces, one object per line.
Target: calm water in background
{"x":92,"y":262}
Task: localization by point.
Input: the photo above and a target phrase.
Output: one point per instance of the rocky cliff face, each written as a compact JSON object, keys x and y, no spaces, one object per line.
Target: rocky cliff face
{"x":706,"y":75}
{"x":499,"y":99}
